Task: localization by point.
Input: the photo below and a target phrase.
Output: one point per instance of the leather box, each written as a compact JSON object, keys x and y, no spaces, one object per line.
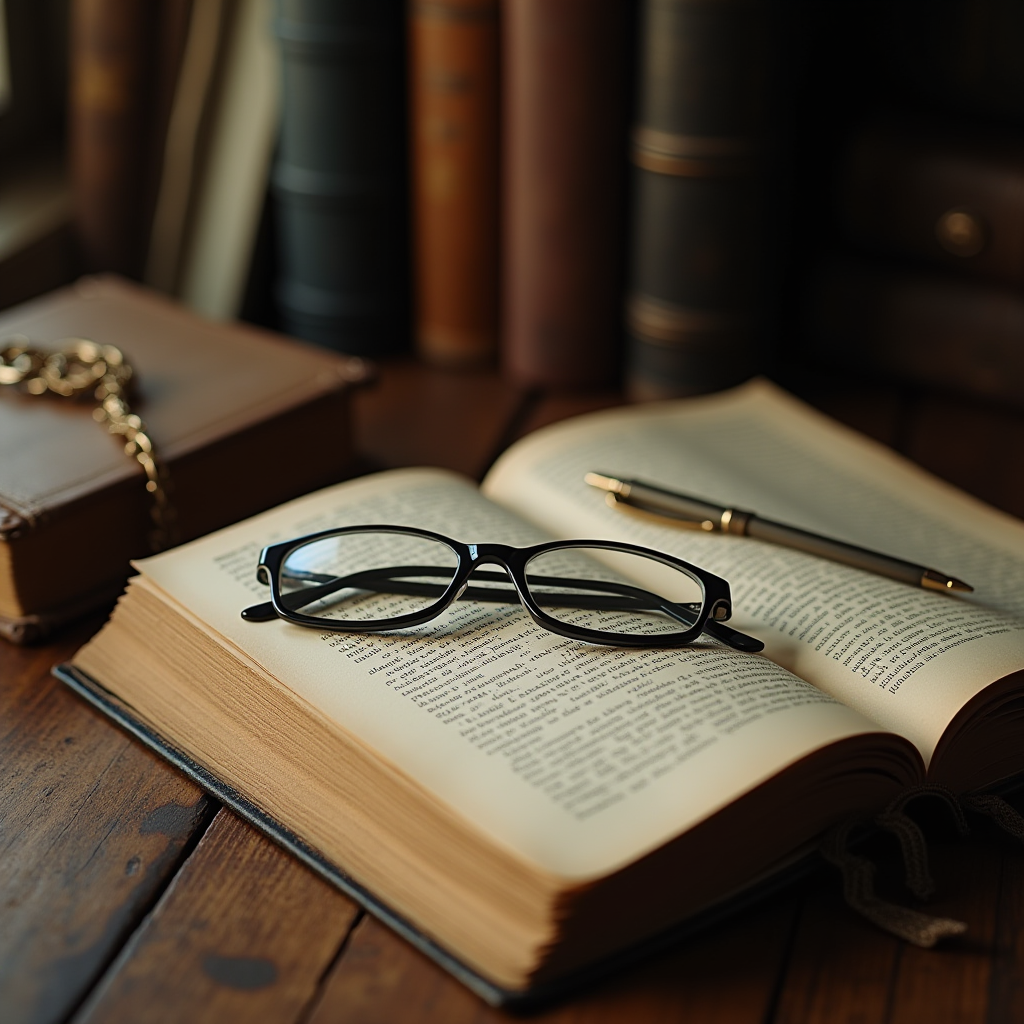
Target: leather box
{"x":242,"y":418}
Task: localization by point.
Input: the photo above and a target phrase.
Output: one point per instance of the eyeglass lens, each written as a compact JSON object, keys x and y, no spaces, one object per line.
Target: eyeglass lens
{"x":614,"y":591}
{"x":367,"y":576}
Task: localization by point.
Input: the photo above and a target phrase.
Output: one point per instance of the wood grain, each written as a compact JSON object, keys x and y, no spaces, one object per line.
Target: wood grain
{"x":421,"y":416}
{"x":1006,"y":988}
{"x":92,"y":826}
{"x":726,"y":975}
{"x":841,"y":967}
{"x":111,"y":911}
{"x":950,"y":983}
{"x":244,"y":933}
{"x":555,"y":406}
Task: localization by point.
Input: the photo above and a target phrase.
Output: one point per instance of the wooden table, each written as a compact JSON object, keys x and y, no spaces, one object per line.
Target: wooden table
{"x":128,"y":895}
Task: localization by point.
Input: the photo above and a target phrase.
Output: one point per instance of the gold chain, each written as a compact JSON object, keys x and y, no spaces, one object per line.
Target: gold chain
{"x":82,"y":369}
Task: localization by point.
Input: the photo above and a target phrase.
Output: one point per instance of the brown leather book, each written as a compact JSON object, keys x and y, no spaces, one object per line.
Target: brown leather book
{"x":563,"y":167}
{"x":933,"y":330}
{"x":243,"y":419}
{"x":454,"y":121}
{"x":938,"y":194}
{"x":110,"y":97}
{"x":696,"y":224}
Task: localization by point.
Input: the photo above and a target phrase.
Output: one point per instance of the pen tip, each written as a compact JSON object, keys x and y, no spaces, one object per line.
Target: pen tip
{"x":605,"y":483}
{"x":932,"y":580}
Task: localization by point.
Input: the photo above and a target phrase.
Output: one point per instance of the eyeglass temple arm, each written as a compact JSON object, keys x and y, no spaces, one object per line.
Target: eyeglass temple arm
{"x":626,"y":597}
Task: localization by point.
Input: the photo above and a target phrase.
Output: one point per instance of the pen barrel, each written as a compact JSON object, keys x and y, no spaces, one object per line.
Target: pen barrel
{"x":836,"y":551}
{"x":657,"y":500}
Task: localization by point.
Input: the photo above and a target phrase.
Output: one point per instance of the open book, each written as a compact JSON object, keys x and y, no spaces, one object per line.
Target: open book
{"x":532,"y":804}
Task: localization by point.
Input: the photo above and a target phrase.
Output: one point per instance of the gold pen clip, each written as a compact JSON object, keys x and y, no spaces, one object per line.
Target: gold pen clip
{"x":612,"y":500}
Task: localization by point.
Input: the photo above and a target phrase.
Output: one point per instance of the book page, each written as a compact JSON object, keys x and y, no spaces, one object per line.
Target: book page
{"x":577,"y":757}
{"x":907,"y":658}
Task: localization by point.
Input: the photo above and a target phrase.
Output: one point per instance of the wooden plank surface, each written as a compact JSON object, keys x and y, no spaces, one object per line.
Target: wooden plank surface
{"x":951,"y":983}
{"x":550,"y":408}
{"x":727,"y":975}
{"x":1006,"y":988}
{"x":119,"y":901}
{"x":92,"y":827}
{"x":422,"y":416}
{"x":841,"y":967}
{"x":244,"y":933}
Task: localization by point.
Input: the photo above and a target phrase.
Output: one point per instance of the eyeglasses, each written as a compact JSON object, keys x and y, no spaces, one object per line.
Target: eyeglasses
{"x":375,"y":578}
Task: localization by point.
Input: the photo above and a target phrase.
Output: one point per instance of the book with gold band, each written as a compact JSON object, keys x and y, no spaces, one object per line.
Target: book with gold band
{"x":528,"y":806}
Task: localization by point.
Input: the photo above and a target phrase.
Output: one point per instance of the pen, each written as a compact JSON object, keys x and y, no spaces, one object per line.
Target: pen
{"x":711,"y":517}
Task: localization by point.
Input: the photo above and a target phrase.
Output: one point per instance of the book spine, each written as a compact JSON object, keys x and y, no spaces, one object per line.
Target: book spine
{"x":695,"y":232}
{"x":935,"y":331}
{"x":338,"y":182}
{"x":563,"y":169}
{"x":946,"y":200}
{"x":111,"y":47}
{"x":454,"y":131}
{"x":173,"y":18}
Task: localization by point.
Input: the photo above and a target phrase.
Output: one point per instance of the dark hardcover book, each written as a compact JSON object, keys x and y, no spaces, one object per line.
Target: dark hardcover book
{"x":221,"y":403}
{"x":338,"y":182}
{"x":933,"y":330}
{"x":938,"y":194}
{"x":454,"y":134}
{"x":564,"y":97}
{"x":695,"y":231}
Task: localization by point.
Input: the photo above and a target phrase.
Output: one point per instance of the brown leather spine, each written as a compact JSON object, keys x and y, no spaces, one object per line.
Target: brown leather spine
{"x":933,"y":330}
{"x":173,"y":18}
{"x":938,"y":196}
{"x":454,"y":103}
{"x":112,"y":46}
{"x":564,"y":154}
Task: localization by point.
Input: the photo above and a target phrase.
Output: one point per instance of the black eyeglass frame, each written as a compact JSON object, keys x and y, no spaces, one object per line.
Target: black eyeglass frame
{"x":715,"y":609}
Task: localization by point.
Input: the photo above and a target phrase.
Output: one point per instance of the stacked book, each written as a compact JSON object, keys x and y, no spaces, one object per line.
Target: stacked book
{"x":572,"y":188}
{"x":528,"y":177}
{"x":533,"y":236}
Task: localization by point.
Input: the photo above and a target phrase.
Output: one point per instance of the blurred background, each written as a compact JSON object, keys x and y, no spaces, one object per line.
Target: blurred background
{"x":658,"y":196}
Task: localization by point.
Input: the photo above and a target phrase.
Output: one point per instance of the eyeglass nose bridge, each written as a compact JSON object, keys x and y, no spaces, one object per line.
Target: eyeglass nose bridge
{"x":493,"y":554}
{"x":502,"y":555}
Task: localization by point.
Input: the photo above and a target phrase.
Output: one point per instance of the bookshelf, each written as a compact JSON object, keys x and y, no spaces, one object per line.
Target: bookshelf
{"x":766,"y":186}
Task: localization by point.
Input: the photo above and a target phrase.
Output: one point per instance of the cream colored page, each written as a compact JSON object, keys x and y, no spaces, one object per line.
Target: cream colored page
{"x":907,"y":658}
{"x":575,"y":756}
